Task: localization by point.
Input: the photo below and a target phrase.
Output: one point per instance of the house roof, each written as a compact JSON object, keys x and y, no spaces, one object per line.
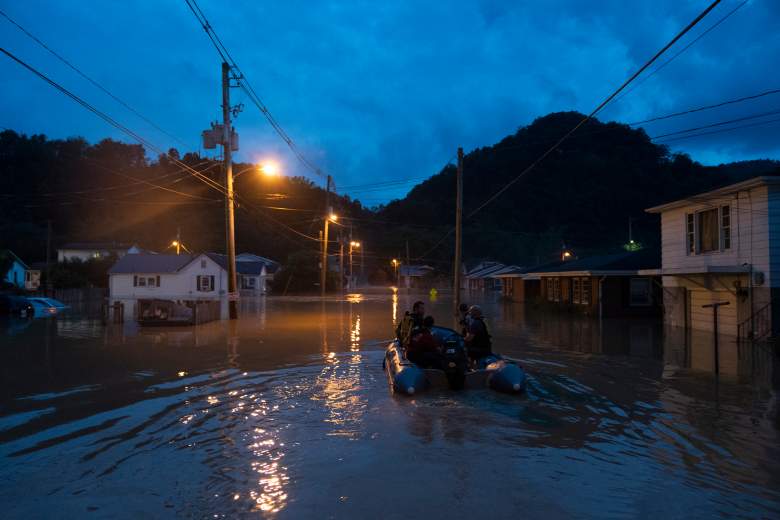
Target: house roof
{"x":720,"y":192}
{"x":96,"y":245}
{"x":414,"y":270}
{"x":252,"y":268}
{"x":485,"y":270}
{"x":628,"y":262}
{"x":509,"y":271}
{"x":151,"y":263}
{"x":12,"y":255}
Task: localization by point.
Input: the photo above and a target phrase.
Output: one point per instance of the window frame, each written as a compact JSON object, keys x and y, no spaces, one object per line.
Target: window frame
{"x":692,"y":229}
{"x":649,"y":284}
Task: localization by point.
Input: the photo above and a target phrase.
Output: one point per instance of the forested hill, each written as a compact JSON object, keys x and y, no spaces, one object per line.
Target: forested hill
{"x":582,"y":195}
{"x":111,"y":191}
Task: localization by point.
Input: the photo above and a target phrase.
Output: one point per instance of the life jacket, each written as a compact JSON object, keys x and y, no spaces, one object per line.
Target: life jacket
{"x":407,"y":324}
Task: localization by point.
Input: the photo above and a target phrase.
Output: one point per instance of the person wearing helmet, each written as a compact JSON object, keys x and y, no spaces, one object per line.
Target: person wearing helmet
{"x":477,"y":338}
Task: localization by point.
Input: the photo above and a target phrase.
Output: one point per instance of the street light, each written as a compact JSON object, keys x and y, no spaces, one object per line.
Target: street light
{"x":270,"y":168}
{"x":332,"y":217}
{"x":267,"y":168}
{"x":352,"y":245}
{"x":396,"y":265}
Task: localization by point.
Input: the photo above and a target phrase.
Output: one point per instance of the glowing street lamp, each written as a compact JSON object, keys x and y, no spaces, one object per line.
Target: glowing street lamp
{"x":270,"y":168}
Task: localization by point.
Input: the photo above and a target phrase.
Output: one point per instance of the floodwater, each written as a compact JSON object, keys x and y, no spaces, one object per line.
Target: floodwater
{"x":287,"y":414}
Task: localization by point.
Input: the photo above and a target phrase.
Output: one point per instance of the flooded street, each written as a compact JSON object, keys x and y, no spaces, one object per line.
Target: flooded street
{"x":287,"y":413}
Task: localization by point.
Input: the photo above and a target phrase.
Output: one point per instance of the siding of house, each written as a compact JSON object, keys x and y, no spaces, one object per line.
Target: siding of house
{"x":749,"y":234}
{"x":173,"y":286}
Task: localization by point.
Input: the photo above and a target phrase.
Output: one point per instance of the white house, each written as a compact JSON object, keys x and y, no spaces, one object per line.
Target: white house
{"x":723,"y":247}
{"x":19,"y":274}
{"x":253,"y":272}
{"x":87,"y":250}
{"x":180,"y":278}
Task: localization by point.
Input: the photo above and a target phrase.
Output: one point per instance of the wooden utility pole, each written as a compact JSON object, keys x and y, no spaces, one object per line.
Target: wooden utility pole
{"x":324,"y":263}
{"x":49,"y":286}
{"x":230,"y":226}
{"x":458,"y":234}
{"x":341,"y":263}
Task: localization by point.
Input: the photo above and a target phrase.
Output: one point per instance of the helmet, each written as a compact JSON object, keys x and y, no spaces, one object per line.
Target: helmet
{"x":476,"y":311}
{"x":463,"y":307}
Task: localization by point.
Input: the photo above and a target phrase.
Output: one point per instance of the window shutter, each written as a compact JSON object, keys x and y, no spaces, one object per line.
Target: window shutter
{"x":135,"y":280}
{"x":158,"y":280}
{"x":212,"y":282}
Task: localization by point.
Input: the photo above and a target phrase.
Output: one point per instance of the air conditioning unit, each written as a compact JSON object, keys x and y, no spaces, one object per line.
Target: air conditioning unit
{"x":758,"y":278}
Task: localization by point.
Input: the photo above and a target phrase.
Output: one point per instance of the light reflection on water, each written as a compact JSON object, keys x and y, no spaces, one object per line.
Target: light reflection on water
{"x":287,"y":413}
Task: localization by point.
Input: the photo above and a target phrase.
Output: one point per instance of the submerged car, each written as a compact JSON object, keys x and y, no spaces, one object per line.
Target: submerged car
{"x":11,"y":305}
{"x":46,"y":306}
{"x":494,"y":372}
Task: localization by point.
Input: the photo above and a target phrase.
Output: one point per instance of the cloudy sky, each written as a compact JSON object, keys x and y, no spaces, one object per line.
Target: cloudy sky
{"x":380,"y":91}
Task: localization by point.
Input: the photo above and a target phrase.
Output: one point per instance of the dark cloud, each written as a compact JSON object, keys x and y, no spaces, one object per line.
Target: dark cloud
{"x":388,"y":90}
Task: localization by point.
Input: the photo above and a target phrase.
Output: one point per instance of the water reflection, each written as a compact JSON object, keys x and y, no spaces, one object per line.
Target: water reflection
{"x":290,"y":415}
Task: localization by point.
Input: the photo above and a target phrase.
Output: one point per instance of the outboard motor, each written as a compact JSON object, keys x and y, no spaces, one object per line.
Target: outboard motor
{"x":455,"y":362}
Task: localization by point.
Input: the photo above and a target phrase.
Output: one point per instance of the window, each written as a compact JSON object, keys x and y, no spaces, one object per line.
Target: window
{"x":141,"y":281}
{"x":690,"y":232}
{"x":576,"y":290}
{"x":203,"y":263}
{"x":585,"y":294}
{"x":707,"y":223}
{"x":708,"y":231}
{"x":556,"y":289}
{"x":640,"y":292}
{"x":205,"y":283}
{"x":153,"y":281}
{"x":550,"y":286}
{"x":725,"y":227}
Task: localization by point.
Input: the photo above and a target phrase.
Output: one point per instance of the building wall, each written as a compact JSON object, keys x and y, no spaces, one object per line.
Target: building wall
{"x":755,"y":242}
{"x":610,"y":297}
{"x":750,"y":241}
{"x":173,"y":286}
{"x":15,"y":275}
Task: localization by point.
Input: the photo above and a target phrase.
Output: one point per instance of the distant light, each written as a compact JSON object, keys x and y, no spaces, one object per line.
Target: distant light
{"x":175,"y":243}
{"x":333,"y":217}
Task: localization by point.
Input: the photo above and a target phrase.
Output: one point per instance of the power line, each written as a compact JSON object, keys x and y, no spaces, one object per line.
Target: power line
{"x":92,"y":81}
{"x":722,"y":130}
{"x":213,"y":184}
{"x":667,"y":62}
{"x":597,"y":109}
{"x":707,"y":107}
{"x":243,"y":82}
{"x":719,"y":123}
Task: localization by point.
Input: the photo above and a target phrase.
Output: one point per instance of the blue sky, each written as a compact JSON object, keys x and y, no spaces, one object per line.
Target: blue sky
{"x":379,"y":91}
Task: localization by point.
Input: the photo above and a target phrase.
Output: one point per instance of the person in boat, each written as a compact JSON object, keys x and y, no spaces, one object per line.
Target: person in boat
{"x":477,"y":340}
{"x":410,"y":321}
{"x":463,"y":318}
{"x":423,"y":349}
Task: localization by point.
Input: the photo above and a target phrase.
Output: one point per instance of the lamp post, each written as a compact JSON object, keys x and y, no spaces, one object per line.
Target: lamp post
{"x":332,"y":217}
{"x":396,"y":265}
{"x":352,"y":245}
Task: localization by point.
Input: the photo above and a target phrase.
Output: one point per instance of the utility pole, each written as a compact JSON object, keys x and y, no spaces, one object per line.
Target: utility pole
{"x":341,"y":262}
{"x":324,"y":263}
{"x":407,"y":252}
{"x":458,"y":233}
{"x":49,"y":285}
{"x":230,"y":227}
